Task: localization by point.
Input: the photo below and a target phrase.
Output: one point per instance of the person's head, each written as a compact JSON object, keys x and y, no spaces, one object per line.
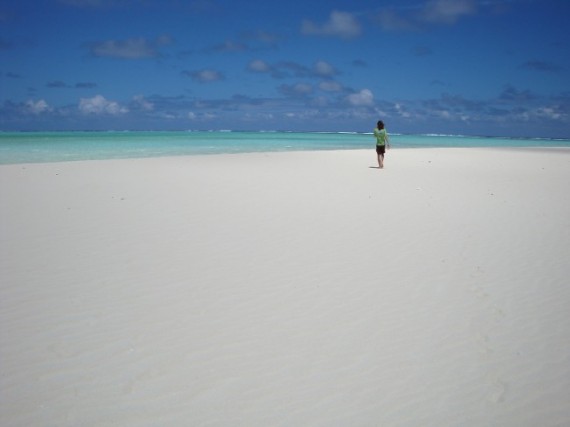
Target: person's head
{"x":380,"y":125}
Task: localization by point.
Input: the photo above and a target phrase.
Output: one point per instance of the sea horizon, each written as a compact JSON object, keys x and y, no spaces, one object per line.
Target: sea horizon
{"x":458,"y":135}
{"x":54,"y":146}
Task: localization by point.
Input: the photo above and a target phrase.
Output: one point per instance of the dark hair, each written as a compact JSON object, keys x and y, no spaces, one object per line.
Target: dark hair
{"x":380,"y":125}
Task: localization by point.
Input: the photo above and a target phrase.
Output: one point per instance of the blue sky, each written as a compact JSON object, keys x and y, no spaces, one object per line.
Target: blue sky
{"x":477,"y":67}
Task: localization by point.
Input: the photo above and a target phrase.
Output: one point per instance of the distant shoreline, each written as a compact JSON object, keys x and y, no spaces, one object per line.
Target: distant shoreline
{"x":262,"y":131}
{"x":49,"y":147}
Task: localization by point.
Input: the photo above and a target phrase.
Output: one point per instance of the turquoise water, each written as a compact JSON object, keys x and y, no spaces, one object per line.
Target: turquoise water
{"x":40,"y":147}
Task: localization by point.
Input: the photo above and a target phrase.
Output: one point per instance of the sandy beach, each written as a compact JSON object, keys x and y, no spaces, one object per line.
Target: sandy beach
{"x":287,"y":289}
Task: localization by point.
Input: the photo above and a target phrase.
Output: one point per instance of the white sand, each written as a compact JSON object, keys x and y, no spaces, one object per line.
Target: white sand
{"x":291,"y":289}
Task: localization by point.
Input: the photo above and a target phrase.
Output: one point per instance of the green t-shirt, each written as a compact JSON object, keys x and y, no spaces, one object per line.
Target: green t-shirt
{"x":381,"y":136}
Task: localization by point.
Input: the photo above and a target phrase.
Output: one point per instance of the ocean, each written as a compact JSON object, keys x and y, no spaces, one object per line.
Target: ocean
{"x":42,"y":147}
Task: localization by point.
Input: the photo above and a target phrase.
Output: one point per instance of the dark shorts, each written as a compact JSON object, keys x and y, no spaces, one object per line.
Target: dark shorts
{"x":380,"y":149}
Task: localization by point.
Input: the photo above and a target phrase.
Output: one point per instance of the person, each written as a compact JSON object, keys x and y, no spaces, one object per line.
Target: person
{"x":382,"y":142}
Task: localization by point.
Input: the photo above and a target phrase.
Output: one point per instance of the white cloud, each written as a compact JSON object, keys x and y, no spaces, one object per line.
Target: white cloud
{"x":228,"y":46}
{"x":126,"y":49}
{"x":389,"y":20}
{"x":434,"y":12}
{"x":324,"y":69}
{"x":98,"y":4}
{"x":134,"y":48}
{"x":446,"y":11}
{"x":303,"y":88}
{"x":163,"y":40}
{"x":364,"y":98}
{"x":402,"y":111}
{"x":37,"y":107}
{"x":205,"y":76}
{"x":142,"y":104}
{"x":330,"y":86}
{"x":549,"y":113}
{"x":83,"y":3}
{"x":340,"y":24}
{"x":299,"y":89}
{"x":259,"y":66}
{"x":201,"y":116}
{"x":99,"y":105}
{"x":320,"y":101}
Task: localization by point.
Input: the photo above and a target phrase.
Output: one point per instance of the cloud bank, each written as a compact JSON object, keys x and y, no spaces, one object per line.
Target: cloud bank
{"x":340,"y":24}
{"x":133,"y":48}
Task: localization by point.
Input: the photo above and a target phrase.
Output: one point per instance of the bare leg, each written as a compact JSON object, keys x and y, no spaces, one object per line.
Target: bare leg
{"x":380,"y":161}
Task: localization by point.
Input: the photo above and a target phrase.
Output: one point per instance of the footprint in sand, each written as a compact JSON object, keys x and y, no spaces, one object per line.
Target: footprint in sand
{"x":498,"y":314}
{"x":478,"y":290}
{"x":498,"y":391}
{"x":476,"y":287}
{"x":483,"y":343}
